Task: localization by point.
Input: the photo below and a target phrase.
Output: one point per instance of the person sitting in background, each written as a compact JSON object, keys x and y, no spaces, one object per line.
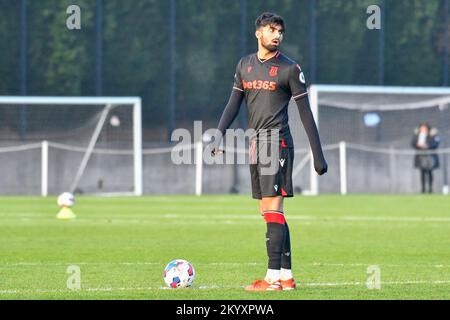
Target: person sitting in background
{"x":426,"y":138}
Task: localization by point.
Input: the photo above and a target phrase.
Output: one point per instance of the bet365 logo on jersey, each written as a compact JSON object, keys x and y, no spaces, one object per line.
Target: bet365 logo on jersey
{"x":260,"y":84}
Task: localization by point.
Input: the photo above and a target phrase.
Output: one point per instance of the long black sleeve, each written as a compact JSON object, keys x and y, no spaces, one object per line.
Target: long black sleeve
{"x":309,"y":124}
{"x":229,"y":114}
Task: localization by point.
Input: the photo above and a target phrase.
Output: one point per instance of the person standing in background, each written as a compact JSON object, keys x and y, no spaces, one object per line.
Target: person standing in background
{"x":426,"y":138}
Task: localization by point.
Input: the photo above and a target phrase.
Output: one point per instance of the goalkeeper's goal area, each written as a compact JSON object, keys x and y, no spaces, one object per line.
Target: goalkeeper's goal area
{"x":91,"y":145}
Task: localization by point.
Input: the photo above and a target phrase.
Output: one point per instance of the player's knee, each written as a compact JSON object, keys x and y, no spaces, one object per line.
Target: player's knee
{"x":272,"y":203}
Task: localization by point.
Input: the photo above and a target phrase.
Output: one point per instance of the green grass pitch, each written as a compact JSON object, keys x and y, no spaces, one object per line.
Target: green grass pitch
{"x":121,"y":246}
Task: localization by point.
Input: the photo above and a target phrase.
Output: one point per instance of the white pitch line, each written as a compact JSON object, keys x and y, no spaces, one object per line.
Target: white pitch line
{"x":310,"y":218}
{"x":35,"y":264}
{"x":212,"y":287}
{"x":231,"y":218}
{"x":224,"y":264}
{"x":202,"y":287}
{"x":334,"y":284}
{"x":18,"y":264}
{"x":380,"y":265}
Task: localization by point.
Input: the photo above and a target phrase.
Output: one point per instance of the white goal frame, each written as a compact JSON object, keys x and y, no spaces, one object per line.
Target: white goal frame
{"x":136,"y":104}
{"x":314,"y":96}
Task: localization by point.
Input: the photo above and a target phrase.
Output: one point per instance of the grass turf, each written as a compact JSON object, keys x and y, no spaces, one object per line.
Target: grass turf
{"x":121,"y":246}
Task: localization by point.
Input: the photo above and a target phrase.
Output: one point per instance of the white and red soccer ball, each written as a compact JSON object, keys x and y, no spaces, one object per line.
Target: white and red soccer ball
{"x":179,"y":273}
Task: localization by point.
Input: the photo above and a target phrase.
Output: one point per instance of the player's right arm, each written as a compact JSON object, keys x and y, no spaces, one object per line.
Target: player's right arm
{"x":231,"y":110}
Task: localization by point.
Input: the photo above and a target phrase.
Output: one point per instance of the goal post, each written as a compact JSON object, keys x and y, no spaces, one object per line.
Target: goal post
{"x":76,"y":125}
{"x":368,"y":131}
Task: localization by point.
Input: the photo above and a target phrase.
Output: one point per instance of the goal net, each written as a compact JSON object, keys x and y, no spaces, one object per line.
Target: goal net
{"x":367,"y":134}
{"x":89,"y":145}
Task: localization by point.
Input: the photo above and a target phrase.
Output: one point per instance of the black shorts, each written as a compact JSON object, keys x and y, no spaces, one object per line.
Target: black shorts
{"x":271,"y":175}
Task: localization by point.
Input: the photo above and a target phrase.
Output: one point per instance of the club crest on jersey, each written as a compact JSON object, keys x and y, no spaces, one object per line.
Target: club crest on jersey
{"x":249,"y":69}
{"x":273,"y":71}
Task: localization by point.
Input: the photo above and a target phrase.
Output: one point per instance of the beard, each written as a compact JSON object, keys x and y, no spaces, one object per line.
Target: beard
{"x":269,"y":46}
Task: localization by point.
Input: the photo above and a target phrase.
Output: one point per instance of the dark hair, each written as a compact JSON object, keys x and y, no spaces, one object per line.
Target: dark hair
{"x":425,"y":124}
{"x":269,"y":18}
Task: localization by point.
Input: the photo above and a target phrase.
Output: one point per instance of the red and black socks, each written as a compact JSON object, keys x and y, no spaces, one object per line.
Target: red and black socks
{"x":275,"y":241}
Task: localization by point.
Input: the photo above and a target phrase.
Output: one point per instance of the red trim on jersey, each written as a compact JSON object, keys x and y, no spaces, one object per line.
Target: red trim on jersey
{"x":274,"y":217}
{"x":283,"y":193}
{"x":283,"y":143}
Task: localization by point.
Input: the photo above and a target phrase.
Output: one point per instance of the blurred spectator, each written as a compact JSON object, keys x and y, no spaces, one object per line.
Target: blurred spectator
{"x":426,"y":138}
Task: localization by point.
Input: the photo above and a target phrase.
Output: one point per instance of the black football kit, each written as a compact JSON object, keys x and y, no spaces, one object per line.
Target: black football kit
{"x":267,"y":87}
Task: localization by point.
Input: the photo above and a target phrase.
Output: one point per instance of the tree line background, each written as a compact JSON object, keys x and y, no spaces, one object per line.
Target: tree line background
{"x":180,"y":55}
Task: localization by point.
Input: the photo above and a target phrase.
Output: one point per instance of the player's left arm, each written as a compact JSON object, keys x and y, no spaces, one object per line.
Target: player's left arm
{"x":299,"y":92}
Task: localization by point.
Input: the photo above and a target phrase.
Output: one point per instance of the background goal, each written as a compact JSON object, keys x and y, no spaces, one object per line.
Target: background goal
{"x":90,"y":145}
{"x":367,"y":131}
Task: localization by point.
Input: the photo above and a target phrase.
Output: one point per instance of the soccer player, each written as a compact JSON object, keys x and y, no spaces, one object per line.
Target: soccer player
{"x":267,"y":80}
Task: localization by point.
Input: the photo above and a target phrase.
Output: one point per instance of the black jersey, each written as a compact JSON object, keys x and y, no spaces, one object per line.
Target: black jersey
{"x":268,"y":87}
